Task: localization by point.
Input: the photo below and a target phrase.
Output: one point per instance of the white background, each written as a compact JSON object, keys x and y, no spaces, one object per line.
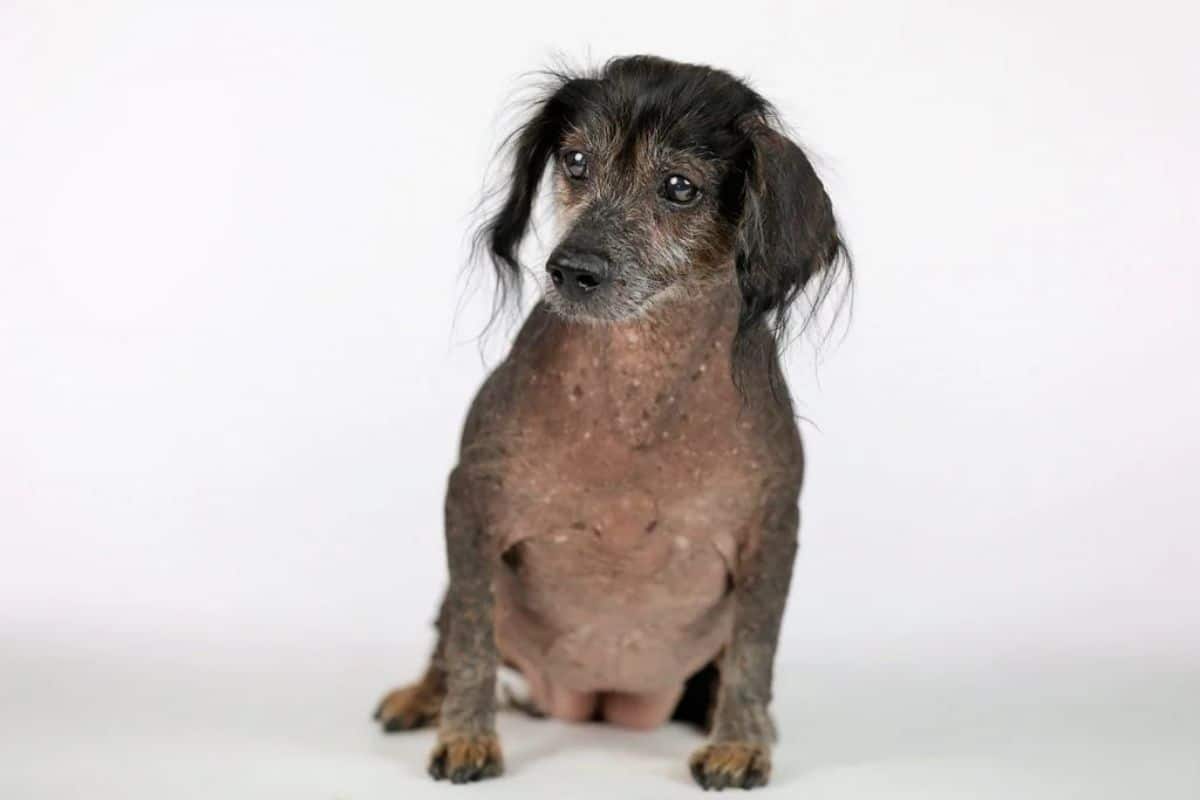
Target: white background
{"x":235,"y":354}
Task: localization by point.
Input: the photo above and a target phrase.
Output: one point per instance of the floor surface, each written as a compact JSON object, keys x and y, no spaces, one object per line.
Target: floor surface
{"x":147,"y":720}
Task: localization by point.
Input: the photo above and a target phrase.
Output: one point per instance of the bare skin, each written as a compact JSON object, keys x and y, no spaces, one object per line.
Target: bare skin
{"x":619,"y":517}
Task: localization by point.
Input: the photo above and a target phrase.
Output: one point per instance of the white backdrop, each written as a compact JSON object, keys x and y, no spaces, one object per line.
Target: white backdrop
{"x":234,"y":357}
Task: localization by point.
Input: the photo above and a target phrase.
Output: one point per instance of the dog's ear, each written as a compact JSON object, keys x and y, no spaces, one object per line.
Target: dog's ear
{"x":532,"y":147}
{"x":787,"y":235}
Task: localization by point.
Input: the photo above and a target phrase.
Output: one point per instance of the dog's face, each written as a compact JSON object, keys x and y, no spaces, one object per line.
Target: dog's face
{"x":669,"y":179}
{"x":639,"y":208}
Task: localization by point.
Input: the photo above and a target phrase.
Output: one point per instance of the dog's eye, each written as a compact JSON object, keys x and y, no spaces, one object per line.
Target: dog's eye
{"x":679,"y":189}
{"x":576,"y":164}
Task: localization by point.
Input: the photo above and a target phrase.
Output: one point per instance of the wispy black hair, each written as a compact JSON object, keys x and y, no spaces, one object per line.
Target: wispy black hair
{"x":787,"y":243}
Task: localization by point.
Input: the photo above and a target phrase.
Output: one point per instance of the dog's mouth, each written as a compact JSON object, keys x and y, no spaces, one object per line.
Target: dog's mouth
{"x":589,"y":297}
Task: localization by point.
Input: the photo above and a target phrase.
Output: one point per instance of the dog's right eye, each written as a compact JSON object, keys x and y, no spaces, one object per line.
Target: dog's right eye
{"x":576,"y":164}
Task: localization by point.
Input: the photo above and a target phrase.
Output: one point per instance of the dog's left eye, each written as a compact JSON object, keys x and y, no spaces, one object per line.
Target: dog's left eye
{"x":576,"y":164}
{"x":680,"y":190}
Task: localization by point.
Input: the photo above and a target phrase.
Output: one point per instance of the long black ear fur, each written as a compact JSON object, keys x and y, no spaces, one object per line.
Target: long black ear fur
{"x":533,"y":145}
{"x":788,"y":243}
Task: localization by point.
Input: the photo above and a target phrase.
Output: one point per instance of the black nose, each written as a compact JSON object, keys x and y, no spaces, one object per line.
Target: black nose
{"x":577,"y":273}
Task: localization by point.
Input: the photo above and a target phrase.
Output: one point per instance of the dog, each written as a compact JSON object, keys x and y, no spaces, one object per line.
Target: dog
{"x":623,"y":518}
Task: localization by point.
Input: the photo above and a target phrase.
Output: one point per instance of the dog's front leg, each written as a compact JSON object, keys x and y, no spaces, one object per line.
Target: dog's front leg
{"x":739,"y":753}
{"x":467,"y":748}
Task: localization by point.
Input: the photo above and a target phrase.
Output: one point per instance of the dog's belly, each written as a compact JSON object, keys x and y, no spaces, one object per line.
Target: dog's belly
{"x":630,"y":600}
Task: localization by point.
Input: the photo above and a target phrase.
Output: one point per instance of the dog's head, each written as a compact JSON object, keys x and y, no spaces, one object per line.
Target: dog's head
{"x":668,"y":178}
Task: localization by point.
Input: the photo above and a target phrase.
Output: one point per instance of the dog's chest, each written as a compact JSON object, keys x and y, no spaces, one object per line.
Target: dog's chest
{"x":623,"y":483}
{"x":627,"y":514}
{"x":616,"y":559}
{"x":632,"y":485}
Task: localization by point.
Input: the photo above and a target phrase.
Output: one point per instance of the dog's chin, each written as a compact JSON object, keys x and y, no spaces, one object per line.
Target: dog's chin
{"x":604,"y":307}
{"x":615,"y":305}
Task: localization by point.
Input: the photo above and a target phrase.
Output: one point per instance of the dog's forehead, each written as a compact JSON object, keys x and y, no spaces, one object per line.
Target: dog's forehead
{"x":658,"y":110}
{"x":628,"y":144}
{"x":652,"y":129}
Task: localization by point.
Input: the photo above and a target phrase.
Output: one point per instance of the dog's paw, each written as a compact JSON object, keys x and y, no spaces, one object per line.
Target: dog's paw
{"x":409,"y":708}
{"x":731,"y":765}
{"x":464,"y":758}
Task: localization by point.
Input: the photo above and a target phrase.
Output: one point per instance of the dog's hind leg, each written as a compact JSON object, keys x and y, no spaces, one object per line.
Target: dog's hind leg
{"x":418,"y":705}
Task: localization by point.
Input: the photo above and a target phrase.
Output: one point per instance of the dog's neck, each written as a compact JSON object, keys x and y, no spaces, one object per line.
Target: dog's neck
{"x":644,"y":372}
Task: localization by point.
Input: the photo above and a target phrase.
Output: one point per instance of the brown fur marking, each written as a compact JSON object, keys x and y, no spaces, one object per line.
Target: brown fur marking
{"x":415,"y":706}
{"x":731,"y":765}
{"x":466,"y":758}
